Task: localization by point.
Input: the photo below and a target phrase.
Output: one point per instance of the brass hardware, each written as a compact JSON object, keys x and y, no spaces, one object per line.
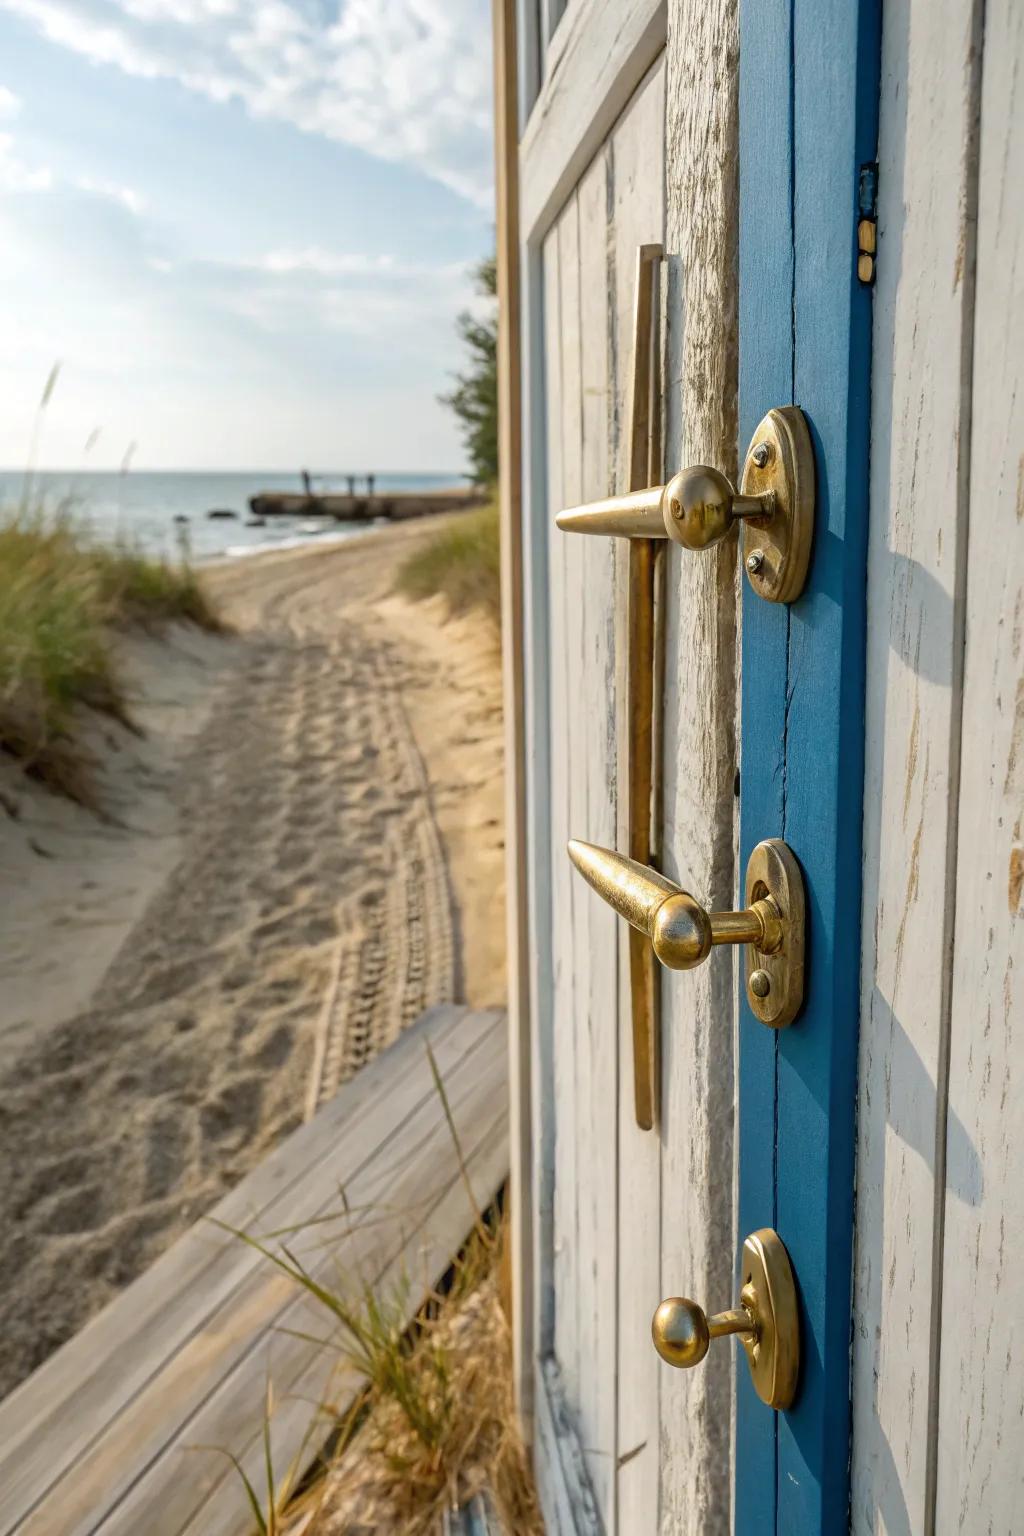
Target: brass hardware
{"x":683,"y":933}
{"x":760,"y":983}
{"x":766,"y":1320}
{"x":644,"y":644}
{"x":783,"y":539}
{"x":775,"y":978}
{"x":867,"y":244}
{"x":698,"y":507}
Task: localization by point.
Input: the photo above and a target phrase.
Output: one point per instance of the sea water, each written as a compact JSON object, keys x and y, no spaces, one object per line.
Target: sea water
{"x":143,"y":507}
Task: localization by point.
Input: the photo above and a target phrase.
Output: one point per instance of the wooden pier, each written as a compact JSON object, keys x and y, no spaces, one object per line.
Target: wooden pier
{"x":114,"y":1434}
{"x":396,"y":506}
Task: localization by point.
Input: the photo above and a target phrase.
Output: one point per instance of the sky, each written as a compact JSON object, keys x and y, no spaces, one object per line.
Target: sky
{"x":244,"y":227}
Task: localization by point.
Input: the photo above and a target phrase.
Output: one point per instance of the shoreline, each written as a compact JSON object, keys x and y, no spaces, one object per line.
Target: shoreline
{"x":304,"y":851}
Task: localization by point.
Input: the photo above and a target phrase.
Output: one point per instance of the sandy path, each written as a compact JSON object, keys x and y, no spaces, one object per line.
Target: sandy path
{"x":329,"y":864}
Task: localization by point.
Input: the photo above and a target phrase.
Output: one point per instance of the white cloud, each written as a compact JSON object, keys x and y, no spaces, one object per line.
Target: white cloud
{"x":126,"y":196}
{"x":314,"y":259}
{"x":10,"y":104}
{"x":406,"y":80}
{"x":15,"y":175}
{"x":321,"y":292}
{"x":301,"y":354}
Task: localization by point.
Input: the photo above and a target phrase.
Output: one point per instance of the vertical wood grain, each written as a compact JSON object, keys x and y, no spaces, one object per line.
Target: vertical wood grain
{"x":582,"y":603}
{"x":510,"y":477}
{"x":598,"y":1066}
{"x":980,"y":1461}
{"x":919,"y":421}
{"x":562,"y":1085}
{"x":569,"y":729}
{"x":697,"y":1221}
{"x":637,"y":212}
{"x":808,"y":125}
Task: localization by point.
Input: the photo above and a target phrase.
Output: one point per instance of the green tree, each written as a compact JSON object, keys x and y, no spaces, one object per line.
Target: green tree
{"x":475,"y":396}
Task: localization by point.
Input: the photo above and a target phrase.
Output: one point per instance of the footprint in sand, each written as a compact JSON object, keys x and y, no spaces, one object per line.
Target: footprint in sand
{"x":72,"y":1211}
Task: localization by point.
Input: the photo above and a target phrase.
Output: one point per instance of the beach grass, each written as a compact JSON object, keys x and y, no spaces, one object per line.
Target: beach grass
{"x":435,"y":1422}
{"x":63,"y":599}
{"x":462,"y":562}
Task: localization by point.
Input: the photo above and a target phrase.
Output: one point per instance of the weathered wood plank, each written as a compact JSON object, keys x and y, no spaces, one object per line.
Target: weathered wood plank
{"x":226,"y":1337}
{"x":513,"y":640}
{"x":923,"y":315}
{"x":980,"y":1463}
{"x":571,"y":956}
{"x":561,"y":1086}
{"x":701,"y":687}
{"x":596,"y":1014}
{"x":49,"y":1420}
{"x":189,"y":1489}
{"x":637,"y":211}
{"x":808,"y":128}
{"x":91,"y":1441}
{"x":567,"y":1501}
{"x":599,"y":53}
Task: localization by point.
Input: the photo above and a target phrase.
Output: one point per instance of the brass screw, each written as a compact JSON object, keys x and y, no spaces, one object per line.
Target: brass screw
{"x":755,"y":560}
{"x":760,"y":983}
{"x":762,"y":455}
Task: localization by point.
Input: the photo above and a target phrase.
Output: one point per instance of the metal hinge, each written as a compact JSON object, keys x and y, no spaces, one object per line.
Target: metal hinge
{"x":867,"y":221}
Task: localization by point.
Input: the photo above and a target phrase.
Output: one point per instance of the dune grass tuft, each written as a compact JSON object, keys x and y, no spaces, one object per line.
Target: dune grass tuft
{"x":62,"y":600}
{"x":435,"y":1422}
{"x":462,"y":561}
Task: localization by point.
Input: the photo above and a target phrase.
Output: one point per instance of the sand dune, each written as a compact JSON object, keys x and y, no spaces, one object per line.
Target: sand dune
{"x":305,"y":852}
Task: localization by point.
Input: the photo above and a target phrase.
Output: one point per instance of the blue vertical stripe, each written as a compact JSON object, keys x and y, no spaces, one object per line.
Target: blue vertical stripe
{"x":808,"y":121}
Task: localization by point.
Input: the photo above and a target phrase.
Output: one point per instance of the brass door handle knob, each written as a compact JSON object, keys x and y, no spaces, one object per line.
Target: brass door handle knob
{"x":766,"y":1320}
{"x":699,"y":507}
{"x":683,"y":933}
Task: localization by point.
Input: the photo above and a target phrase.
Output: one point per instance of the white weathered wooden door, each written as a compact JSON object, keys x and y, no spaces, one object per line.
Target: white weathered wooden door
{"x":627,"y":119}
{"x":629,"y":132}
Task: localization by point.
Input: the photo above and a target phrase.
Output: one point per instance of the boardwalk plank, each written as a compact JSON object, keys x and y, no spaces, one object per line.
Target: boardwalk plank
{"x":126,"y":1394}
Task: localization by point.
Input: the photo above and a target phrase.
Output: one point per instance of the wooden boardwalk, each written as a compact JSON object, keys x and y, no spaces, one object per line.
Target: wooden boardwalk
{"x":112,"y":1435}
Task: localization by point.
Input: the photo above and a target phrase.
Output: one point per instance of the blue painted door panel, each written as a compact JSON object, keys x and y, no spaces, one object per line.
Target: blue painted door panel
{"x":808,"y":124}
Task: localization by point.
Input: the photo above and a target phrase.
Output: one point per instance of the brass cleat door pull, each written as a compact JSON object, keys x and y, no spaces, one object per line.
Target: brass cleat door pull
{"x":644,"y":650}
{"x":698,"y":508}
{"x":644,"y":645}
{"x":766,"y":1320}
{"x":682,"y":933}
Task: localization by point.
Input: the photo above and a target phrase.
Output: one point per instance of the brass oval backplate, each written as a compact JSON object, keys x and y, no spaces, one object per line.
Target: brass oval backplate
{"x":768,"y":1291}
{"x":777,"y":549}
{"x":766,"y":1322}
{"x":775,"y":982}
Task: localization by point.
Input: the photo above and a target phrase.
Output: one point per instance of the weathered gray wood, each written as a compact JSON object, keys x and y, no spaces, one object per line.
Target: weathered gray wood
{"x":194,"y":1491}
{"x":595,"y":766}
{"x":980,"y":1461}
{"x":51,"y":1419}
{"x":103,"y":1434}
{"x":698,"y":1244}
{"x":513,"y":637}
{"x":637,"y":217}
{"x":569,"y":785}
{"x":923,"y":318}
{"x":567,"y":1499}
{"x":598,"y":54}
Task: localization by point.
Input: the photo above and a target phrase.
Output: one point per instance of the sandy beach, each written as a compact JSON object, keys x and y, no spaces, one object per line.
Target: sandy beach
{"x":300,"y":851}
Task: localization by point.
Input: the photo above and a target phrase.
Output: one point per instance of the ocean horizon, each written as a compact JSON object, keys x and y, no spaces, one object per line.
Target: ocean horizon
{"x":146,"y":507}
